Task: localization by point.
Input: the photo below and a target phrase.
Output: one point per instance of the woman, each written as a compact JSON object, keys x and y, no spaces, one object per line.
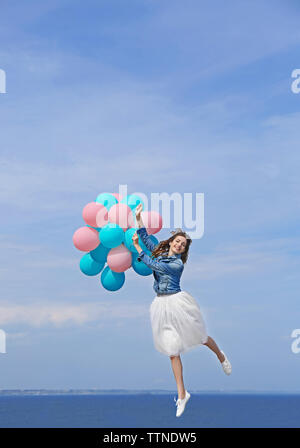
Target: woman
{"x":176,"y":319}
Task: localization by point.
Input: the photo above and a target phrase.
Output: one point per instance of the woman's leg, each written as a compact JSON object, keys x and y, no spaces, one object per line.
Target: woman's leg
{"x":213,"y":346}
{"x":177,"y":365}
{"x":177,"y":370}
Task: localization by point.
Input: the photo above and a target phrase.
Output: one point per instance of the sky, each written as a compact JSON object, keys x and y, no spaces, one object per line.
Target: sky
{"x":160,"y":96}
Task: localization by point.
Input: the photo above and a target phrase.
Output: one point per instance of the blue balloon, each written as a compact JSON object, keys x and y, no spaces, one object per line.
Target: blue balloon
{"x":112,"y":281}
{"x":143,"y":246}
{"x":132,"y":200}
{"x":129,"y":243}
{"x":100,"y":253}
{"x":106,"y":199}
{"x":111,"y":235}
{"x":128,"y":239}
{"x":139,"y":267}
{"x":89,"y":266}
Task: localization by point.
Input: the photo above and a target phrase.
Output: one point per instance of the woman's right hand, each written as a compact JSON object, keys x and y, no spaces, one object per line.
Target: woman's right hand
{"x":138,"y":211}
{"x":135,"y":239}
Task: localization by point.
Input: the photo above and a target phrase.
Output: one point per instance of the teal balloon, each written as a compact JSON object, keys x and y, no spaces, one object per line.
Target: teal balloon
{"x":143,"y":246}
{"x":140,"y":267}
{"x":100,"y":253}
{"x":112,"y":281}
{"x":106,"y":199}
{"x":89,"y":266}
{"x":129,"y":243}
{"x":132,"y":200}
{"x":128,"y":239}
{"x":111,"y":235}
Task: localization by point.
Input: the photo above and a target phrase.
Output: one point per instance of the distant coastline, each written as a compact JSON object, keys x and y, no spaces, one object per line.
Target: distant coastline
{"x":138,"y":392}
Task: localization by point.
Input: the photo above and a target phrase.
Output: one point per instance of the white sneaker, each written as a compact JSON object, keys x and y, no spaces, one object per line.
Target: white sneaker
{"x":181,"y":402}
{"x":226,"y":365}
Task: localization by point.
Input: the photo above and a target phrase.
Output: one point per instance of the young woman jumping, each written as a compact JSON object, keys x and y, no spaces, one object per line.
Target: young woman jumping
{"x":176,"y":319}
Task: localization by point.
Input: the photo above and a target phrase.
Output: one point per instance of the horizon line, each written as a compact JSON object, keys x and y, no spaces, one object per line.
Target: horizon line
{"x":141,"y":391}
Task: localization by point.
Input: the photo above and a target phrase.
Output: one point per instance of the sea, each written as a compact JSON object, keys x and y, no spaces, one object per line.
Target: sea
{"x":147,"y":409}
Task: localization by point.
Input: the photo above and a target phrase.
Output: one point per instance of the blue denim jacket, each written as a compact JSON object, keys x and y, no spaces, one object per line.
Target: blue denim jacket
{"x":166,"y":270}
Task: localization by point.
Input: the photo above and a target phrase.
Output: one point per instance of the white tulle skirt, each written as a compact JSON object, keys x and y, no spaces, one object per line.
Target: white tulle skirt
{"x":177,"y":323}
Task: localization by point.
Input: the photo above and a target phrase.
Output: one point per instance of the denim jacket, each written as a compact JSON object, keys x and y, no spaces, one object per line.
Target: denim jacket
{"x":166,"y":270}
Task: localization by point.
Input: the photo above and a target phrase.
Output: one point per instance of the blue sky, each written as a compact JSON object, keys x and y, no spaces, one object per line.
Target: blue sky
{"x":163,"y":97}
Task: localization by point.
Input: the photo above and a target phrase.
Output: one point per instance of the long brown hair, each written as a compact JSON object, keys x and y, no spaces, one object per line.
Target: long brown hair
{"x":164,"y":246}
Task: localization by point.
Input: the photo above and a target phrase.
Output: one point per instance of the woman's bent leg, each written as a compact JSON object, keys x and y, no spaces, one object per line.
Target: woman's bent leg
{"x":177,"y":370}
{"x":213,"y":346}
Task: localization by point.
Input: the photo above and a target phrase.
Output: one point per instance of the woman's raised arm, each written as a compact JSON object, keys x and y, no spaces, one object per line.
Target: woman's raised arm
{"x":138,"y":215}
{"x":142,"y":232}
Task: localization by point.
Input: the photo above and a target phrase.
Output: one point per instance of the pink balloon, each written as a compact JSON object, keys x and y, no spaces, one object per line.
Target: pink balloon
{"x":86,"y":239}
{"x":102,"y":217}
{"x":122,"y":215}
{"x":118,"y":196}
{"x":152,"y":221}
{"x":119,"y":258}
{"x":90,"y":211}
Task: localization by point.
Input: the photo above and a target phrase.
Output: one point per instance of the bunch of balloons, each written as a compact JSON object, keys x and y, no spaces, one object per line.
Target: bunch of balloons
{"x":107,"y":238}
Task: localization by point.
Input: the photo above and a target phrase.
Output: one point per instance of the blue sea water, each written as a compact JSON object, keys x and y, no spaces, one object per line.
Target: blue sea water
{"x":149,"y":410}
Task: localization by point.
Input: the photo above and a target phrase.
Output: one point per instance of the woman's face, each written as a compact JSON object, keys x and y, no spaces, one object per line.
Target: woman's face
{"x":178,"y":245}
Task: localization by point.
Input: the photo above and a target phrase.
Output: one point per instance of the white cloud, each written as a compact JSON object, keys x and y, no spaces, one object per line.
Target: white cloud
{"x":232,"y":41}
{"x":236,"y":259}
{"x":6,"y":243}
{"x":16,"y":336}
{"x":149,"y":161}
{"x":60,"y":314}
